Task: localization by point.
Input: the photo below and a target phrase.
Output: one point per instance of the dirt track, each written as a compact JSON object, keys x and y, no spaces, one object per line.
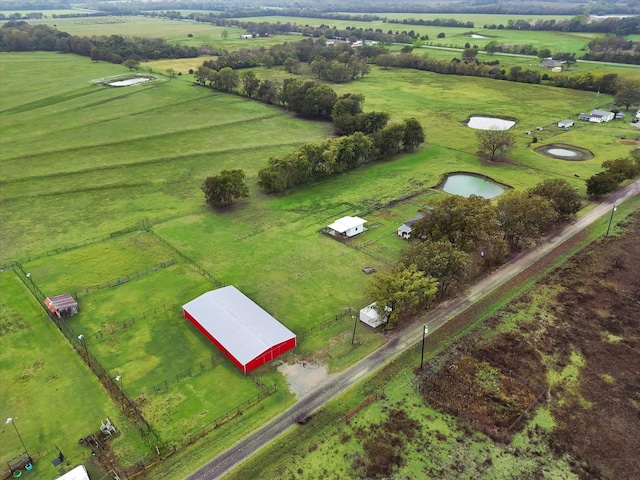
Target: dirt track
{"x":401,"y":341}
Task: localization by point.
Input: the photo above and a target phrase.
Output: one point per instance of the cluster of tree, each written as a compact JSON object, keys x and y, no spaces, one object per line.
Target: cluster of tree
{"x":239,"y":12}
{"x":613,"y":48}
{"x":581,"y":23}
{"x":437,"y":22}
{"x":22,"y":16}
{"x":322,"y":159}
{"x":224,"y":188}
{"x":458,"y":237}
{"x":616,"y":171}
{"x":337,"y":63}
{"x":21,"y":36}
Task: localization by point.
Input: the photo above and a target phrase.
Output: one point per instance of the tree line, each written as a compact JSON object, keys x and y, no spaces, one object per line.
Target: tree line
{"x":20,"y":36}
{"x":316,"y":160}
{"x":615,"y":172}
{"x":457,"y":238}
{"x":605,"y":83}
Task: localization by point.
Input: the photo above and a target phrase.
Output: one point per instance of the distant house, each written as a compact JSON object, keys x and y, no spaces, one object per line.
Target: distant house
{"x":371,"y":317}
{"x":550,"y":63}
{"x":566,"y":123}
{"x":584,"y":116}
{"x":556,"y":69}
{"x":620,"y":116}
{"x":347,"y":227}
{"x":62,"y":305}
{"x":600,"y":116}
{"x":246,"y":37}
{"x":405,"y":230}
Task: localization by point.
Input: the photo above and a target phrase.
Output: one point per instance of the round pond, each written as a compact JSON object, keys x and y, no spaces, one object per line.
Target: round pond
{"x":489,"y":123}
{"x":564,"y":152}
{"x":465,"y":185}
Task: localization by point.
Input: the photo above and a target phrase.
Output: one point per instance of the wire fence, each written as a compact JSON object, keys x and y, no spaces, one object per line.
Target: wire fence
{"x":190,"y":372}
{"x":188,"y":259}
{"x":114,"y":327}
{"x":347,"y":312}
{"x":124,"y":278}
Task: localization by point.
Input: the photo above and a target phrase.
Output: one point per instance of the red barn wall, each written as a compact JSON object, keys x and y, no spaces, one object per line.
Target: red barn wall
{"x":261,"y":359}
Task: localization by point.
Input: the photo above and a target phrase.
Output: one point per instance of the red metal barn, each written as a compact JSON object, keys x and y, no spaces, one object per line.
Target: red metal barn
{"x":240,"y":328}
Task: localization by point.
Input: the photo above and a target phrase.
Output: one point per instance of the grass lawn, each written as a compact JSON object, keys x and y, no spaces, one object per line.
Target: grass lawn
{"x":38,"y":370}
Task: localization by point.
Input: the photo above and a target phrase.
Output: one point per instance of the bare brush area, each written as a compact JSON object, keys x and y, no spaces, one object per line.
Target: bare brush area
{"x":575,"y":335}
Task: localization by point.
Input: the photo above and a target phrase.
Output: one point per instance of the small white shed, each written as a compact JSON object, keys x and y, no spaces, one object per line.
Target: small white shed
{"x":78,"y":473}
{"x":371,"y":317}
{"x":347,"y":226}
{"x":566,"y":123}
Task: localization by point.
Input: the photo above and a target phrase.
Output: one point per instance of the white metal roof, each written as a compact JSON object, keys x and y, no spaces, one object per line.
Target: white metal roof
{"x":239,"y":324}
{"x":78,"y":473}
{"x":345,"y":223}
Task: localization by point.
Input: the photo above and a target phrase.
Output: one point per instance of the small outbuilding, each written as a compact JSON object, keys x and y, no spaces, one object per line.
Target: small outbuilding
{"x":550,"y":63}
{"x":63,"y":305}
{"x":566,"y":123}
{"x":246,"y":37}
{"x":404,"y":231}
{"x":245,"y":333}
{"x":347,"y":227}
{"x":371,"y":317}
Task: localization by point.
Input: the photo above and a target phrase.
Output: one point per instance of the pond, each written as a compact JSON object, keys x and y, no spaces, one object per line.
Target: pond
{"x":466,"y":185}
{"x":489,"y":123}
{"x":564,"y":152}
{"x":128,"y":82}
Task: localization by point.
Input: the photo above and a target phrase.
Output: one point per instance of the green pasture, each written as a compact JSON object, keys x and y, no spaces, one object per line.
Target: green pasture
{"x":39,"y":369}
{"x":113,"y":157}
{"x":98,"y":263}
{"x":173,"y":31}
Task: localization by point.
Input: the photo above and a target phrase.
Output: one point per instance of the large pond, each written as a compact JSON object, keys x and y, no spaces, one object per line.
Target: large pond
{"x":466,"y":185}
{"x":489,"y":123}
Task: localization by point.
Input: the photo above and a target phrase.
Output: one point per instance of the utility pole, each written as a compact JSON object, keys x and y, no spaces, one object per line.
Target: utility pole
{"x":425,"y":330}
{"x":615,"y":207}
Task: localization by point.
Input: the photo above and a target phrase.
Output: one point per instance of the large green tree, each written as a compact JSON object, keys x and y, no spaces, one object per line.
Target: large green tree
{"x":405,"y":290}
{"x":250,"y":83}
{"x":495,"y":144}
{"x":628,"y":94}
{"x":440,"y":260}
{"x":225,"y":187}
{"x":564,"y":198}
{"x":524,"y":217}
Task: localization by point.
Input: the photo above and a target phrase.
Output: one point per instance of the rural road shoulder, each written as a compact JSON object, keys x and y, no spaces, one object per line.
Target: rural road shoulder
{"x":337,"y":383}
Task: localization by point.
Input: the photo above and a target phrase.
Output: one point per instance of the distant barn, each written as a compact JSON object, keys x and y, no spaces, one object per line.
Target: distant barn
{"x":240,"y":328}
{"x":63,"y":305}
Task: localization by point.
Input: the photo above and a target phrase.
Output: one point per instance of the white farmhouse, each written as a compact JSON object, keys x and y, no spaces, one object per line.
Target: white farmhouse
{"x":600,"y":116}
{"x":347,"y":226}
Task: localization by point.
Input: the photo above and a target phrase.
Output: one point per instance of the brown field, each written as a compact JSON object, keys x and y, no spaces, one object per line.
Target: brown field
{"x":581,"y":344}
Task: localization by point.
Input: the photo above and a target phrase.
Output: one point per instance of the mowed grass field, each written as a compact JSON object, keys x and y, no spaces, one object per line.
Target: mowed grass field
{"x":78,"y":160}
